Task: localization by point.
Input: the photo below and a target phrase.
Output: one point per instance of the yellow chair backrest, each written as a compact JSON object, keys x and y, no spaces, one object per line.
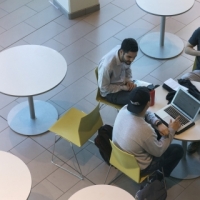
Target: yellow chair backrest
{"x":125,"y":162}
{"x":89,"y":125}
{"x":195,"y":64}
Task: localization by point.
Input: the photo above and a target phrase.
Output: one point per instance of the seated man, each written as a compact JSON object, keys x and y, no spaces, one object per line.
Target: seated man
{"x":195,"y":76}
{"x":133,"y":132}
{"x":114,"y":73}
{"x":189,"y":49}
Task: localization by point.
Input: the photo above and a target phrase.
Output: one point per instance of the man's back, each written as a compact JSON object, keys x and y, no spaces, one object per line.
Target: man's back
{"x":134,"y":135}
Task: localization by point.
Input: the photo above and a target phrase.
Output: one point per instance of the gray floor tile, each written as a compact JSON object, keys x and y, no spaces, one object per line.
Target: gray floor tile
{"x":4,"y":111}
{"x":190,"y":15}
{"x":74,"y":33}
{"x":187,"y":31}
{"x":47,"y":189}
{"x":11,"y":5}
{"x":5,"y":100}
{"x":41,"y":167}
{"x":61,"y":178}
{"x":135,"y":30}
{"x":91,"y":76}
{"x":43,"y":17}
{"x":80,"y":185}
{"x":177,"y":65}
{"x":27,"y":150}
{"x":104,"y":2}
{"x":153,"y":19}
{"x":143,"y":66}
{"x":39,"y":5}
{"x":98,"y":175}
{"x":82,"y":66}
{"x":87,"y":161}
{"x":43,"y":34}
{"x":103,"y":15}
{"x":9,"y":139}
{"x":101,"y":34}
{"x":97,"y":53}
{"x":134,"y":11}
{"x":123,"y":5}
{"x":74,"y":93}
{"x":2,"y":12}
{"x":16,"y":17}
{"x":171,"y":26}
{"x":18,"y":43}
{"x":14,"y":34}
{"x":54,"y":45}
{"x":74,"y":52}
{"x":192,"y":192}
{"x":65,"y":22}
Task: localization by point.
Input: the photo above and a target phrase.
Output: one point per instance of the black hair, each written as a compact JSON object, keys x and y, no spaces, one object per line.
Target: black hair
{"x":129,"y":44}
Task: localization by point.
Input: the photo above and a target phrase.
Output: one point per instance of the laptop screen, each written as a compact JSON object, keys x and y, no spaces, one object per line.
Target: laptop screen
{"x":186,"y":103}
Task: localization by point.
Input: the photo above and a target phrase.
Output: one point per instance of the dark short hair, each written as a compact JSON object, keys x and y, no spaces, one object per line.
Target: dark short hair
{"x":129,"y":44}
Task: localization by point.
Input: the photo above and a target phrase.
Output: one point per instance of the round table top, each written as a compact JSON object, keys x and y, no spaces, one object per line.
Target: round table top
{"x":15,"y":178}
{"x":165,"y":7}
{"x":101,"y":192}
{"x":192,"y":134}
{"x":29,"y":70}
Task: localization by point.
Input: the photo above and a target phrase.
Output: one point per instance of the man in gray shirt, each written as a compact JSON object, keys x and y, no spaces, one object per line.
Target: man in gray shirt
{"x":114,"y":72}
{"x":134,"y":133}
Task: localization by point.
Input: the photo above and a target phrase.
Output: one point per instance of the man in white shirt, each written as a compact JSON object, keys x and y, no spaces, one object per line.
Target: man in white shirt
{"x":114,"y":72}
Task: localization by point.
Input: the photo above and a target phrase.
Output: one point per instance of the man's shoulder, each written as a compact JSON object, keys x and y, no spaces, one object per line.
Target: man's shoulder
{"x":196,"y":33}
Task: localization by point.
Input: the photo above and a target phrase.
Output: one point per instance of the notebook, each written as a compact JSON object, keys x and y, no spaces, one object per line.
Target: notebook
{"x":183,"y":105}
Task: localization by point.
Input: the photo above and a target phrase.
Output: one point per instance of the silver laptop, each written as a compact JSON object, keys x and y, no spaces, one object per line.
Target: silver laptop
{"x":183,"y":105}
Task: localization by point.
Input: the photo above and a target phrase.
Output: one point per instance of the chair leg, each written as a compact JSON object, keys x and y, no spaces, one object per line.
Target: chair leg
{"x":80,"y":176}
{"x":107,"y":174}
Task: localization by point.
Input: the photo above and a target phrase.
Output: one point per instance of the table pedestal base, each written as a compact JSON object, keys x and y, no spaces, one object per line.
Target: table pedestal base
{"x":150,"y":45}
{"x":20,"y":121}
{"x":188,"y":168}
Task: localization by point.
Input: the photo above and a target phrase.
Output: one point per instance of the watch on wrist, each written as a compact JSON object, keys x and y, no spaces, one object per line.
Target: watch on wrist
{"x":158,"y":123}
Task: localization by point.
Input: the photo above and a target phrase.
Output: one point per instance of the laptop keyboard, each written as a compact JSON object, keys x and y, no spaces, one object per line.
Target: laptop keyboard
{"x":174,"y":114}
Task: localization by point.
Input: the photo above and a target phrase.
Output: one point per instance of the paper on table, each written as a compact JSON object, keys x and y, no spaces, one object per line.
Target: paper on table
{"x":141,"y":83}
{"x":174,"y":85}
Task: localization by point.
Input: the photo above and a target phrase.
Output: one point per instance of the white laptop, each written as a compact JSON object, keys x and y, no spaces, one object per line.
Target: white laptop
{"x":183,"y":104}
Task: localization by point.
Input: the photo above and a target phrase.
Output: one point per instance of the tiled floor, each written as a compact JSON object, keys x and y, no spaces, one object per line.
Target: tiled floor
{"x":83,"y":42}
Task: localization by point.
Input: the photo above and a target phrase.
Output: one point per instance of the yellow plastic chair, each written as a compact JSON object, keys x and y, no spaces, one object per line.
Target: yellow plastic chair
{"x":127,"y":164}
{"x":195,"y":64}
{"x":76,"y":127}
{"x":101,"y":99}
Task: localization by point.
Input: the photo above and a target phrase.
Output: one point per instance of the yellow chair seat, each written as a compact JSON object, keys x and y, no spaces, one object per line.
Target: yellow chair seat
{"x":126,"y":163}
{"x":101,"y":99}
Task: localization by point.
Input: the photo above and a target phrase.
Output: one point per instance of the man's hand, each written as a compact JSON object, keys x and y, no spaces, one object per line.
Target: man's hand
{"x":163,"y":130}
{"x":176,"y":124}
{"x":131,"y":85}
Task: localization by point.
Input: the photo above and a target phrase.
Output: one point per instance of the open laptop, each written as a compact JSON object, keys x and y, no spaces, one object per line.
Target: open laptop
{"x":183,"y":104}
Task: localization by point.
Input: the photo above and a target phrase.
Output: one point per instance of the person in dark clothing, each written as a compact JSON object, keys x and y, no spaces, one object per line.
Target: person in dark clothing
{"x":189,"y":49}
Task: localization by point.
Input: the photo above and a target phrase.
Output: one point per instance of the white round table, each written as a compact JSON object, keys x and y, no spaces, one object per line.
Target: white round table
{"x":189,"y":165}
{"x":101,"y":192}
{"x":26,"y":71}
{"x":15,"y":178}
{"x":163,"y":45}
